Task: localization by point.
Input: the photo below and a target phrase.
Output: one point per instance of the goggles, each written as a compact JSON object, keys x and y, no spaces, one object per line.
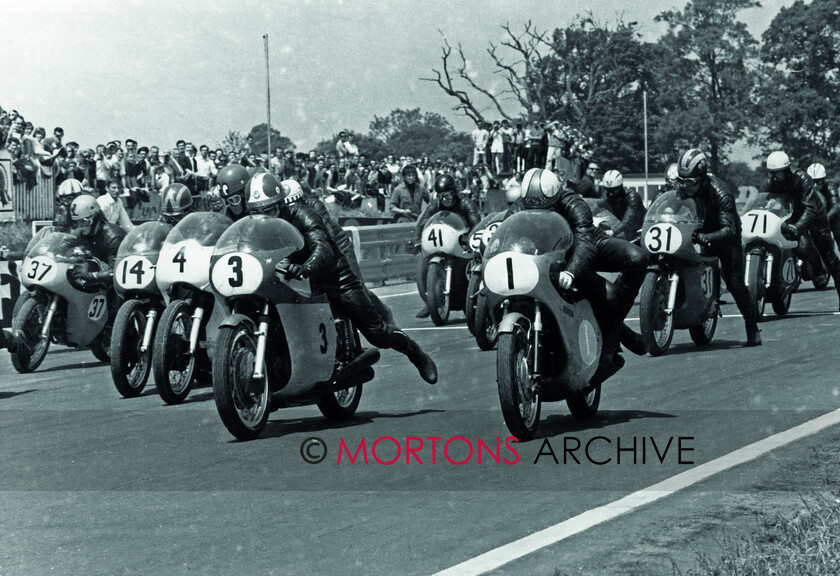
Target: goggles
{"x":688,"y":181}
{"x":233,"y":200}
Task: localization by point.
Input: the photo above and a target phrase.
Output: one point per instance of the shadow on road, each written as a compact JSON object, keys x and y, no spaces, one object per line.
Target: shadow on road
{"x":91,"y":364}
{"x":279,"y":427}
{"x":4,"y":395}
{"x":716,"y":345}
{"x":774,"y":318}
{"x":564,"y":423}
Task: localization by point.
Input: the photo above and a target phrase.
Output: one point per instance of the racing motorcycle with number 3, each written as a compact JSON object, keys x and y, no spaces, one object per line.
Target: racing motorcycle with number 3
{"x":134,"y":326}
{"x":187,"y":328}
{"x":278,"y":345}
{"x":682,"y":286}
{"x":550,"y":342}
{"x":771,"y":267}
{"x":446,"y":278}
{"x":56,"y":309}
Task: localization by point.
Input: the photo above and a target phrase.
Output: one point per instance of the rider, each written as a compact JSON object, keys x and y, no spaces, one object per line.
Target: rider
{"x":232,"y":180}
{"x":68,"y":191}
{"x":103,"y":239}
{"x":720,"y":234}
{"x":593,"y":250}
{"x":625,"y":204}
{"x":830,"y":195}
{"x":177,"y":202}
{"x":809,"y":221}
{"x":446,"y":198}
{"x":323,"y":260}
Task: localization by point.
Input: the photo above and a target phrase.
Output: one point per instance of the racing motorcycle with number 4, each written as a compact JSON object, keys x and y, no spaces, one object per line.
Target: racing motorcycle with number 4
{"x":446,"y":279}
{"x":187,"y":329}
{"x":279,"y":344}
{"x":56,"y":309}
{"x":682,"y":286}
{"x":550,"y":342}
{"x":134,"y":326}
{"x":771,"y":267}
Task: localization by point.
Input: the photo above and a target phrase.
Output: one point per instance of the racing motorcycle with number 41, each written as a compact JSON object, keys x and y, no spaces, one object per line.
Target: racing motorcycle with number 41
{"x":446,"y":279}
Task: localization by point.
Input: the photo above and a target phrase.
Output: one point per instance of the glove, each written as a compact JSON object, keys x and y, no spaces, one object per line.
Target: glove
{"x":698,"y":237}
{"x":296,"y":272}
{"x":81,"y":279}
{"x":413,"y":247}
{"x":790,"y":231}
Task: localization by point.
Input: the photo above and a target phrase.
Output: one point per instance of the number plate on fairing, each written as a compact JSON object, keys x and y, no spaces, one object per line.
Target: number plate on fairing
{"x":134,"y":272}
{"x":663,"y":239}
{"x":39,"y":270}
{"x":237,"y":273}
{"x":511,"y":273}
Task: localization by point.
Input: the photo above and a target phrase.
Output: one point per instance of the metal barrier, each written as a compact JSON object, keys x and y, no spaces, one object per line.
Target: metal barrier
{"x":381,"y":251}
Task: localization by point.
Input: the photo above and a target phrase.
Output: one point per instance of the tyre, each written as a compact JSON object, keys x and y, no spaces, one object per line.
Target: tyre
{"x":585,"y":406}
{"x":341,"y":404}
{"x":471,"y":301}
{"x":242,"y":402}
{"x":29,"y":319}
{"x":172,"y":363}
{"x":520,"y":401}
{"x":486,"y":329}
{"x":130,"y":368}
{"x":439,"y":303}
{"x":101,"y":347}
{"x":782,"y":305}
{"x":755,"y":281}
{"x":657,"y":327}
{"x":702,"y":335}
{"x":24,"y":296}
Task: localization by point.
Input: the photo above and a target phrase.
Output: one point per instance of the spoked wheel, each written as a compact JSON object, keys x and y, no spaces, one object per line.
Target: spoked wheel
{"x":585,"y":406}
{"x":518,"y":395}
{"x":29,"y":319}
{"x":486,"y":329}
{"x":470,"y":308}
{"x":439,"y":303}
{"x":702,"y":335}
{"x":755,"y":281}
{"x":101,"y":347}
{"x":242,"y":402}
{"x":341,"y":404}
{"x":24,"y":296}
{"x":172,"y":363}
{"x":782,"y":305}
{"x":657,"y":327}
{"x":130,"y":368}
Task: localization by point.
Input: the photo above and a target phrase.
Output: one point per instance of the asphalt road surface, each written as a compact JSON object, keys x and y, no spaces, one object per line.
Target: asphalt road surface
{"x":93,"y":483}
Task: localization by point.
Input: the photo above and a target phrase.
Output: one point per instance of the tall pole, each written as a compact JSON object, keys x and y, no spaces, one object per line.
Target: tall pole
{"x":267,"y":96}
{"x":644,"y":111}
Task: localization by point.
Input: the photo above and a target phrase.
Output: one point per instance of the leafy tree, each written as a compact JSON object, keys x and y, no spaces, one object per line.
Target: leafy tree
{"x":412,"y":133}
{"x":739,"y":174}
{"x":798,"y":94}
{"x":260,"y":144}
{"x":233,"y":141}
{"x":368,"y":145}
{"x":706,"y":79}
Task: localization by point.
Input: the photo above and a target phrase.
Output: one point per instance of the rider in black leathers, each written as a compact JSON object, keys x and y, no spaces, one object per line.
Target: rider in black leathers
{"x":830,"y":196}
{"x":323,"y":261}
{"x":103,"y":239}
{"x":809,"y":221}
{"x":447,"y":198}
{"x":720,"y":234}
{"x":625,"y":204}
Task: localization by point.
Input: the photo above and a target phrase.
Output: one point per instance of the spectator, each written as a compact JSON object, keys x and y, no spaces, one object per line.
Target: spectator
{"x":587,"y":185}
{"x":479,"y":138}
{"x":277,"y":164}
{"x":555,"y":145}
{"x":407,"y":198}
{"x":340,"y":147}
{"x":112,"y":207}
{"x":205,"y":170}
{"x":519,"y":148}
{"x":352,"y":149}
{"x":497,"y":147}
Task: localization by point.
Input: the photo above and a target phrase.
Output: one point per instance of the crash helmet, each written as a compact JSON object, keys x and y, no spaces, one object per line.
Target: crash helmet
{"x":177,"y":202}
{"x":671,"y":175}
{"x":613,"y":179}
{"x":446,"y":190}
{"x":85,"y":214}
{"x":692,"y":164}
{"x":816,"y":171}
{"x":293,"y":191}
{"x":70,"y":188}
{"x":540,"y":188}
{"x":264,"y":193}
{"x":778,"y":165}
{"x":232,"y":180}
{"x":513,"y":191}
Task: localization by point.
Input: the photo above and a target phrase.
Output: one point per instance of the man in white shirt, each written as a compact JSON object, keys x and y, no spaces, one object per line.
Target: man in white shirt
{"x":112,"y":207}
{"x":205,"y":169}
{"x":479,"y":136}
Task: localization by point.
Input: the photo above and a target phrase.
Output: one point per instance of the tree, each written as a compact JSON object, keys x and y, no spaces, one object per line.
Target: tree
{"x":233,"y":141}
{"x":800,"y":81}
{"x":706,"y":77}
{"x":368,"y":145}
{"x":412,"y":133}
{"x":260,"y":144}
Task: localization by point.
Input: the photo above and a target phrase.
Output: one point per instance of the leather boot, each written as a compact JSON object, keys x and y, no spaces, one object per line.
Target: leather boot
{"x":423,"y":312}
{"x":753,"y":336}
{"x":422,"y":361}
{"x":632,"y":340}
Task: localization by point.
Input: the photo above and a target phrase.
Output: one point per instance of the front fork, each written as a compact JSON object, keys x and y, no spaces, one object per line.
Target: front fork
{"x":151,"y":317}
{"x":195,"y":329}
{"x":674,"y":280}
{"x":51,"y":309}
{"x":448,"y":284}
{"x":262,"y":340}
{"x":537,"y":328}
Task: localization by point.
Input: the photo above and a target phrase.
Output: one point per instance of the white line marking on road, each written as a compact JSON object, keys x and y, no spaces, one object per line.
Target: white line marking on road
{"x":553,"y":534}
{"x":400,"y":294}
{"x":434,"y":328}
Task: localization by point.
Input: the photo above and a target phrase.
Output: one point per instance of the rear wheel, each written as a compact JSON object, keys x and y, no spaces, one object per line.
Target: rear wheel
{"x":702,"y":335}
{"x":242,"y":402}
{"x":755,"y":281}
{"x":341,"y":404}
{"x":518,"y":395}
{"x":585,"y":406}
{"x":439,"y":302}
{"x":486,"y":329}
{"x":130,"y":368}
{"x":782,"y":305}
{"x":29,"y":319}
{"x":656,"y":325}
{"x":101,"y":346}
{"x":172,"y":363}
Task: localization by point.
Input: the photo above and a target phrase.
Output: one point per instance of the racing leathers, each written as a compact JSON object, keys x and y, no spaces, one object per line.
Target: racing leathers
{"x":831,"y":197}
{"x":626,"y":205}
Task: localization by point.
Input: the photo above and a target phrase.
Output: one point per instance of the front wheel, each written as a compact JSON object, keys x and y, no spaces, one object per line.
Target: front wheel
{"x":755,"y":282}
{"x":172,"y":363}
{"x":439,"y":302}
{"x":656,"y":325}
{"x":29,"y":319}
{"x":518,"y":394}
{"x":242,"y":402}
{"x":130,"y":368}
{"x":341,"y":404}
{"x":486,"y":329}
{"x":782,"y":305}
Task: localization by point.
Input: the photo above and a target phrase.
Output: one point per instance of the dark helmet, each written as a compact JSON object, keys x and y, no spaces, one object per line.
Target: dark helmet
{"x":232,"y":180}
{"x":540,"y":188}
{"x":447,"y":191}
{"x":264,"y":193}
{"x":177,"y":202}
{"x":692,"y":164}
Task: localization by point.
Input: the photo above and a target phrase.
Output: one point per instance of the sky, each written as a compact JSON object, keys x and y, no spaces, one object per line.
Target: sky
{"x":161,"y":70}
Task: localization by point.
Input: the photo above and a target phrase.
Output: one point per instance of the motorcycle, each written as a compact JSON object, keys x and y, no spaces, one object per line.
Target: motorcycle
{"x":682,"y":286}
{"x":57,"y":310}
{"x":603,"y":218}
{"x":771,"y":267}
{"x":188,"y":325}
{"x":445,"y":282}
{"x":134,"y":326}
{"x":479,"y":320}
{"x":550,"y":342}
{"x":279,"y":344}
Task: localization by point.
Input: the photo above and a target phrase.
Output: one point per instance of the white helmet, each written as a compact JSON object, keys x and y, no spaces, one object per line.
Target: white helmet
{"x":672,"y":173}
{"x":293,"y":191}
{"x":540,"y":188}
{"x":777,"y":161}
{"x":72,"y":187}
{"x":816,"y":171}
{"x":612,"y":179}
{"x":513,"y":191}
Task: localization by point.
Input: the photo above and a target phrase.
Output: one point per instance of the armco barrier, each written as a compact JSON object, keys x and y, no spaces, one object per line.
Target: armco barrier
{"x":381,"y":251}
